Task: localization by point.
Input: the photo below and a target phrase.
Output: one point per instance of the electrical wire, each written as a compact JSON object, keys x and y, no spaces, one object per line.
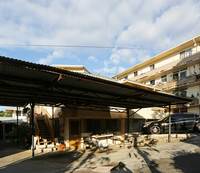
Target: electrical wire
{"x":74,"y":46}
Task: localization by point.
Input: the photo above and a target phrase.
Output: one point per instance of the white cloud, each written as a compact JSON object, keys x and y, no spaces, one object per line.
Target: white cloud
{"x":55,"y":54}
{"x":163,"y":28}
{"x":86,"y":22}
{"x":121,"y":69}
{"x":123,"y":55}
{"x":92,"y":58}
{"x":106,"y":71}
{"x":144,"y":24}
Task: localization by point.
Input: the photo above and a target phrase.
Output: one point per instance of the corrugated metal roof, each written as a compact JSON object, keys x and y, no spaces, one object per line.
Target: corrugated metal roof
{"x":23,"y":82}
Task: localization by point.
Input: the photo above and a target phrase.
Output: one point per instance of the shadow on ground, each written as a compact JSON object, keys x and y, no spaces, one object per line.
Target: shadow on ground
{"x":150,"y":163}
{"x":7,"y":149}
{"x":195,"y":140}
{"x":181,"y":161}
{"x":58,"y":161}
{"x":47,"y":162}
{"x":70,"y":161}
{"x":189,"y":163}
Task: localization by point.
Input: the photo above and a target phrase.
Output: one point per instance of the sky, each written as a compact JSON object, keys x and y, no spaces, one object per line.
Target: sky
{"x":106,"y":36}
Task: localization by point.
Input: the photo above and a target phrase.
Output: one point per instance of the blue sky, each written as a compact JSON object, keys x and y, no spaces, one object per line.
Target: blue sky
{"x":150,"y":26}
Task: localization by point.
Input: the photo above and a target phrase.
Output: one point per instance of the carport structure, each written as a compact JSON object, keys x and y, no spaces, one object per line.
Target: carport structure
{"x":23,"y":83}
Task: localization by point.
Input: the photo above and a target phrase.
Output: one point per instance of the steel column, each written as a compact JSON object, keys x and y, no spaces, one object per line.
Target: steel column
{"x":53,"y":123}
{"x":4,"y":132}
{"x":33,"y":130}
{"x":17,"y":113}
{"x":169,"y":135}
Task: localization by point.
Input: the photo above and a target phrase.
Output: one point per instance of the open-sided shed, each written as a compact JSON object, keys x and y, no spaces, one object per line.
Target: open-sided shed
{"x":23,"y":83}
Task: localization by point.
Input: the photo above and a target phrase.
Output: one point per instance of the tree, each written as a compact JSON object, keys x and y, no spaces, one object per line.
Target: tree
{"x":2,"y":113}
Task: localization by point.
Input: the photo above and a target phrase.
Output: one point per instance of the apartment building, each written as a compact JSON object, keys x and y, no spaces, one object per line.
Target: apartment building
{"x":176,"y":71}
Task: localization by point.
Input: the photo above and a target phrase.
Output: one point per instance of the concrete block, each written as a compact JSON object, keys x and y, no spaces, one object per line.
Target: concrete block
{"x":50,"y":146}
{"x":40,"y":146}
{"x":47,"y":149}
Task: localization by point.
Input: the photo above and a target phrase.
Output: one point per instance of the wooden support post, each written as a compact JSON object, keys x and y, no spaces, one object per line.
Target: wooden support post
{"x":169,"y":135}
{"x":127,"y":112}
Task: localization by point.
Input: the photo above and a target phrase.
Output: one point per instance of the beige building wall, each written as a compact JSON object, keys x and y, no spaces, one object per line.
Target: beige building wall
{"x":194,"y":109}
{"x":167,"y":60}
{"x":165,"y":64}
{"x":150,"y":113}
{"x":70,"y":114}
{"x":193,"y":91}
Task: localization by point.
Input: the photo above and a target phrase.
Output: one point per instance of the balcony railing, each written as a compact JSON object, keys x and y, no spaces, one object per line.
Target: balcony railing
{"x":195,"y":101}
{"x":187,"y":80}
{"x":167,"y":86}
{"x":177,"y":83}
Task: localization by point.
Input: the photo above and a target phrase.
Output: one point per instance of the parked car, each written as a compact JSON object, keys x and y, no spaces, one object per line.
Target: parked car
{"x":180,"y":122}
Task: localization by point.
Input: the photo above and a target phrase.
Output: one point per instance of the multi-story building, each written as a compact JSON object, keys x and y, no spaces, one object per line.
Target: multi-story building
{"x":176,"y":71}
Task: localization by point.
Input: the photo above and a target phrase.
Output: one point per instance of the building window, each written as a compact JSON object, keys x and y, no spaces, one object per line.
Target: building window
{"x":125,"y":77}
{"x":102,"y":126}
{"x":152,"y":82}
{"x":186,"y":53}
{"x":182,"y":54}
{"x":135,"y":73}
{"x":152,"y":67}
{"x":183,"y":74}
{"x":164,"y":78}
{"x":113,"y":125}
{"x":180,"y":74}
{"x":181,"y":93}
{"x":93,"y":125}
{"x":18,"y":113}
{"x":175,"y":75}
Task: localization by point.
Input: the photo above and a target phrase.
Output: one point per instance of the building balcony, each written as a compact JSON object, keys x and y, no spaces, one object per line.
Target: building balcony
{"x":167,"y":86}
{"x":178,"y":83}
{"x":195,"y":101}
{"x":187,"y":80}
{"x":168,"y":68}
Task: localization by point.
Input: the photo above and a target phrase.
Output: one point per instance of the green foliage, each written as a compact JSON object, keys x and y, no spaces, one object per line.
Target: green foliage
{"x":2,"y":113}
{"x":23,"y":131}
{"x":12,"y":133}
{"x":8,"y":115}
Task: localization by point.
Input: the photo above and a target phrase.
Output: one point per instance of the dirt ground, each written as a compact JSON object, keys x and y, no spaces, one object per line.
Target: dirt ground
{"x":173,"y":157}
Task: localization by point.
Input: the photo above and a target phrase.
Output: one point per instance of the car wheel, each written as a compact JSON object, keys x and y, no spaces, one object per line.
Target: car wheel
{"x":155,"y":130}
{"x":198,"y":127}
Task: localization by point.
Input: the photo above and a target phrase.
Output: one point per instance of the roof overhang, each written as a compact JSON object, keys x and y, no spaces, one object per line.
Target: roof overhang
{"x":22,"y":83}
{"x":169,"y":52}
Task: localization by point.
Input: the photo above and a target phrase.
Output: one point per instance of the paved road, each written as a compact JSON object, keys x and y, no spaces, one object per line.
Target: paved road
{"x":189,"y":163}
{"x":174,"y":157}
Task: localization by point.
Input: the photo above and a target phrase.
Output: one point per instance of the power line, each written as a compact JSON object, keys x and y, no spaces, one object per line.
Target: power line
{"x":74,"y":46}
